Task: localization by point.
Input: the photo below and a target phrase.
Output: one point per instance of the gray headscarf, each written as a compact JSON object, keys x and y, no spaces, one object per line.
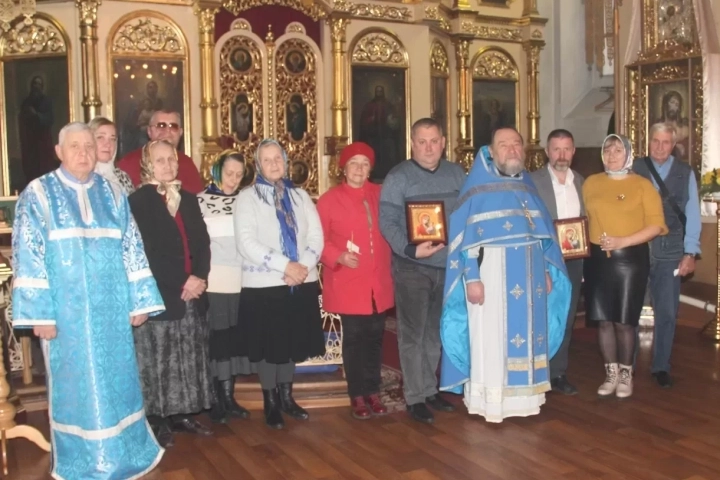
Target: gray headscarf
{"x":627,"y":167}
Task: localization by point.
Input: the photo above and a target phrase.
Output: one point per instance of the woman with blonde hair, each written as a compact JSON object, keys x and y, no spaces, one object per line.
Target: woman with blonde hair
{"x":625,"y":213}
{"x":172,"y":348}
{"x":217,"y":204}
{"x":106,"y":142}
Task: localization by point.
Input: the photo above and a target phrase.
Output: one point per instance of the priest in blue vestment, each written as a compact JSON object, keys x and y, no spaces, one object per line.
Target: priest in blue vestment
{"x":507,"y":292}
{"x":82,"y":282}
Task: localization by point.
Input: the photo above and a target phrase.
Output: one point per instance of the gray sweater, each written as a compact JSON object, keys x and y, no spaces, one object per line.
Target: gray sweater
{"x":409,"y":181}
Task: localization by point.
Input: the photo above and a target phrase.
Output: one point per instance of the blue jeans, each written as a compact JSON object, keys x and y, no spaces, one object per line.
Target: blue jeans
{"x":665,"y":295}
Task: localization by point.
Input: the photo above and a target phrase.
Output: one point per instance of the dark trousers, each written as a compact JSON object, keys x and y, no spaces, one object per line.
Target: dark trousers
{"x":418,"y":300}
{"x":559,"y":363}
{"x":362,"y":352}
{"x":665,"y":295}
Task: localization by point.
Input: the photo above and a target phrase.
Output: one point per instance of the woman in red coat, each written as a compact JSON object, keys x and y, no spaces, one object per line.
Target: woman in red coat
{"x":357,"y":283}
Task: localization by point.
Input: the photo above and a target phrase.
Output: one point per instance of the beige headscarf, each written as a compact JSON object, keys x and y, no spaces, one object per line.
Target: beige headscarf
{"x":170,"y":190}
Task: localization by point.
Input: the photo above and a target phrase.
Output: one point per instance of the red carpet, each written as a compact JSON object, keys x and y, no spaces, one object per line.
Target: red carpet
{"x":391,"y":355}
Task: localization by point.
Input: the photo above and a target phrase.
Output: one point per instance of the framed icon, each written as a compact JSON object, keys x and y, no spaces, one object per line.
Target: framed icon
{"x":572,"y":234}
{"x":426,"y":222}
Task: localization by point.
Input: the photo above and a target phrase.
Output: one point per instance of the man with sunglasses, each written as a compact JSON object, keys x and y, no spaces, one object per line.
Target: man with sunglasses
{"x":165,"y":125}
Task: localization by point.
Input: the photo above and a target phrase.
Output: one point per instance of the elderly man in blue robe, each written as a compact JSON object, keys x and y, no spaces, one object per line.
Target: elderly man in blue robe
{"x":82,"y":281}
{"x":507,"y":292}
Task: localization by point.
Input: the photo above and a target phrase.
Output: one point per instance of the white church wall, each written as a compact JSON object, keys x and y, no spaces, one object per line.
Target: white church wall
{"x":569,"y":91}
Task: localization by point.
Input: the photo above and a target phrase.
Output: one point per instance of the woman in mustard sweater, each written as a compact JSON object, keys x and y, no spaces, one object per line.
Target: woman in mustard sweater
{"x":625,"y":213}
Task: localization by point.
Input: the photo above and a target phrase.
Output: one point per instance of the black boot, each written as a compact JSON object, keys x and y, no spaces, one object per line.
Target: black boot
{"x":271,"y":408}
{"x":218,"y":414}
{"x":227,"y":394}
{"x":288,"y":405}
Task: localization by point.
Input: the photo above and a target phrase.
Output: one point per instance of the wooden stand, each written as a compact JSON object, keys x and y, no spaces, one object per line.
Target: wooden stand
{"x":712,"y":328}
{"x":8,"y":428}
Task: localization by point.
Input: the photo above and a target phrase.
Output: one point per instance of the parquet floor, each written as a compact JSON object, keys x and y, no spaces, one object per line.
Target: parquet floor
{"x":656,"y":435}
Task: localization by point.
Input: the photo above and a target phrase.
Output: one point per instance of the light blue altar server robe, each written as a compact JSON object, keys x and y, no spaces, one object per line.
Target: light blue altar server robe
{"x":499,"y":211}
{"x":79,"y":264}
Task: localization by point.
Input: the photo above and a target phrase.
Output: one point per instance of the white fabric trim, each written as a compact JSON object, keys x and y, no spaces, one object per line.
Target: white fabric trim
{"x":224,"y":279}
{"x":220,"y":226}
{"x":101,"y":434}
{"x":65,"y":233}
{"x":154,"y":308}
{"x":26,"y":282}
{"x":139,"y":275}
{"x":42,"y":197}
{"x":27,"y":322}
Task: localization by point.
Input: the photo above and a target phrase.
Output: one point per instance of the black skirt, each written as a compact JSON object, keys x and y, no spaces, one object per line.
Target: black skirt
{"x":280,"y":324}
{"x":615,"y":286}
{"x":174,"y":367}
{"x":225,"y":359}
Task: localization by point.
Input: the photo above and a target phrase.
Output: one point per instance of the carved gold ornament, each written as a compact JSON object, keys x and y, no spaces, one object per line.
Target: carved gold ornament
{"x":494,"y":64}
{"x":668,"y":30}
{"x":147,"y":35}
{"x":236,"y":81}
{"x":296,"y":100}
{"x":379,"y":47}
{"x":375,"y":11}
{"x":311,"y":9}
{"x":10,"y":10}
{"x":645,"y":82}
{"x":433,"y":13}
{"x":439,"y":62}
{"x":39,"y":35}
{"x":492,"y":33}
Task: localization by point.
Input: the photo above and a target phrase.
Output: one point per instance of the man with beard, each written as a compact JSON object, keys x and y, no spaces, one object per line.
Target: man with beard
{"x":672,"y":107}
{"x":672,"y":256}
{"x":507,"y":292}
{"x":560,"y":188}
{"x":378,"y":128}
{"x":35,"y":125}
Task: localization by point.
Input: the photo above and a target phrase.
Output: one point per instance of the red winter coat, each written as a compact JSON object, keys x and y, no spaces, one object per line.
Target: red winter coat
{"x":344,"y":217}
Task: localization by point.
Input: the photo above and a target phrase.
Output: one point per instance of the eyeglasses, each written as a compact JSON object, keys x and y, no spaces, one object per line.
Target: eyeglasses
{"x":162,"y":126}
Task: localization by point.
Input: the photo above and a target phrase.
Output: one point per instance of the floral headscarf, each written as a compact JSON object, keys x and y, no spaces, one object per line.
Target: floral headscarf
{"x":170,"y":190}
{"x":215,"y":187}
{"x":282,"y":201}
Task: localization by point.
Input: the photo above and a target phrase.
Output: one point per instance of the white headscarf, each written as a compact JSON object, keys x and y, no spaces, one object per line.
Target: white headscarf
{"x":627,"y":166}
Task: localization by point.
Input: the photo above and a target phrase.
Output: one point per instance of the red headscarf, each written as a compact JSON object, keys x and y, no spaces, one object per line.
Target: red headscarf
{"x":356,"y":148}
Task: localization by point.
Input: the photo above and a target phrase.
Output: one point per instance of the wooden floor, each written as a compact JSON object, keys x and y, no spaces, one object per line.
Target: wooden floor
{"x":657,"y":435}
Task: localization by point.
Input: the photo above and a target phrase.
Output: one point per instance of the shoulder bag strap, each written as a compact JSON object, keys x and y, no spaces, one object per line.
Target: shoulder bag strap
{"x":665,"y":193}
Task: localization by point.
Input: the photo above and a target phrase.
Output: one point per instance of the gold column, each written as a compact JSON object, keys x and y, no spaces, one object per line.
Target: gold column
{"x":88,"y":47}
{"x":205,"y":12}
{"x":272,"y":86}
{"x":712,"y":328}
{"x":464,"y":148}
{"x":530,"y":8}
{"x":339,"y":139}
{"x":535,"y":157}
{"x":617,"y":70}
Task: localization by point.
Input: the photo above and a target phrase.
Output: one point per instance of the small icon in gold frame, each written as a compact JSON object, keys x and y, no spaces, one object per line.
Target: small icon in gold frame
{"x":426,"y":222}
{"x":572,"y":234}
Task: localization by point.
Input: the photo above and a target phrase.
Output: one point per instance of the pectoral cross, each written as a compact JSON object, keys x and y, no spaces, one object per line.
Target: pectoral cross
{"x":528,"y":217}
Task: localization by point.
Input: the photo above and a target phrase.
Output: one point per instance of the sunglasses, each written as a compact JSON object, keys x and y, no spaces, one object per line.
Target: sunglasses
{"x":162,"y":126}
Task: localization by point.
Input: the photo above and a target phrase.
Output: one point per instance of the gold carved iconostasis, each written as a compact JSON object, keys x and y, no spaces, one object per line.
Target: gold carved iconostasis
{"x":665,"y":82}
{"x":315,"y":75}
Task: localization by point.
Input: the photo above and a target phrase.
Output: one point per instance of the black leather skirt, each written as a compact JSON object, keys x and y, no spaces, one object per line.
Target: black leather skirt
{"x":615,"y":286}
